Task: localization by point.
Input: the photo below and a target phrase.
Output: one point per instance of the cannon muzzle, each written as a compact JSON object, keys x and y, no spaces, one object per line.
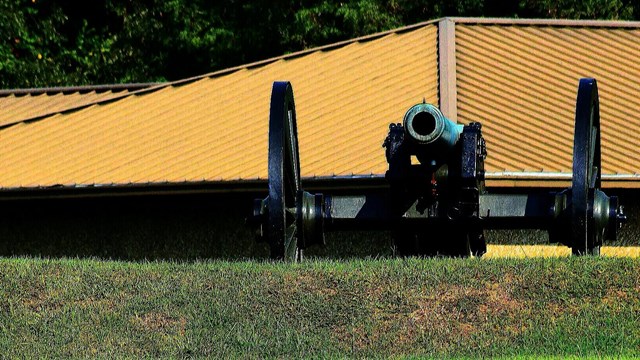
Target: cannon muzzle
{"x":425,"y":126}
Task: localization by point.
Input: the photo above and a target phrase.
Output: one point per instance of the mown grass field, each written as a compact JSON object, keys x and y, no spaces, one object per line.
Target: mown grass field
{"x":435,"y":308}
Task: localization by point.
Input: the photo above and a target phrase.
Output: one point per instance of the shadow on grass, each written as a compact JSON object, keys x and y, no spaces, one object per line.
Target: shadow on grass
{"x":153,"y":227}
{"x":184,"y":227}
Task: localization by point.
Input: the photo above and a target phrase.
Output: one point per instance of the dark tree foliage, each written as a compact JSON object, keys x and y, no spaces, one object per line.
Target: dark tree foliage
{"x":75,"y":42}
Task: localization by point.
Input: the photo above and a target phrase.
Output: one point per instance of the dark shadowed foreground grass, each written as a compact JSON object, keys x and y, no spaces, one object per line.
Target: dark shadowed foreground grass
{"x":586,"y":307}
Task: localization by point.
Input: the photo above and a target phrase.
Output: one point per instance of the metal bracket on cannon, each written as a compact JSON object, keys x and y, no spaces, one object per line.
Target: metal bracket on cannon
{"x":437,"y":205}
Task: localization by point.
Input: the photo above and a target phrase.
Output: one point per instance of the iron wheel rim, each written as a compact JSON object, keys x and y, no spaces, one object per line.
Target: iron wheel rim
{"x":587,"y":169}
{"x":284,"y":174}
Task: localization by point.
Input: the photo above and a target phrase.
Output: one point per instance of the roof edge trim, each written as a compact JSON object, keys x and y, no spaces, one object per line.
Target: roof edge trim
{"x":75,"y":89}
{"x":546,"y":22}
{"x":243,"y":183}
{"x":524,"y":175}
{"x":195,"y":187}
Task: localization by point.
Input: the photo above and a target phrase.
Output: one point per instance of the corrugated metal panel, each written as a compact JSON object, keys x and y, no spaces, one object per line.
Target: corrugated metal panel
{"x":15,"y":108}
{"x":521,"y":83}
{"x":216,"y":128}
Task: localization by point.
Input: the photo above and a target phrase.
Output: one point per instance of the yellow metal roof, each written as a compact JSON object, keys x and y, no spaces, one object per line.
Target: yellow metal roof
{"x":519,"y":78}
{"x":215,"y":128}
{"x":521,"y":82}
{"x":24,"y":104}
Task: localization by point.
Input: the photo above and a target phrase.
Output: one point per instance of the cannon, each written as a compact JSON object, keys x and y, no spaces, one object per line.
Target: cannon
{"x":436,"y":203}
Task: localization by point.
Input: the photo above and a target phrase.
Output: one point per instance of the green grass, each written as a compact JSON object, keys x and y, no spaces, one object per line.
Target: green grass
{"x":584,"y":307}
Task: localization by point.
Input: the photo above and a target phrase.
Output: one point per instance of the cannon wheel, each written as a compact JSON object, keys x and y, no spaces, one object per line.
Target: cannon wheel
{"x":586,"y":169}
{"x":284,"y":175}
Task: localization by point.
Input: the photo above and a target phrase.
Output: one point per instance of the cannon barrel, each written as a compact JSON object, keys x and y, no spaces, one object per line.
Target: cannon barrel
{"x":426,"y":126}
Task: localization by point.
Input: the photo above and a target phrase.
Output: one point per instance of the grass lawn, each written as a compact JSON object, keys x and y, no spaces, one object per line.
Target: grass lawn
{"x":535,"y":307}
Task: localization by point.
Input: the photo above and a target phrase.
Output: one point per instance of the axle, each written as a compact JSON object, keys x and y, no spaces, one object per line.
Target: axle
{"x":546,"y":211}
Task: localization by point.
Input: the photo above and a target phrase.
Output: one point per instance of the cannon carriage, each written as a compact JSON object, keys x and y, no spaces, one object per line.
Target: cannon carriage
{"x":436,"y":203}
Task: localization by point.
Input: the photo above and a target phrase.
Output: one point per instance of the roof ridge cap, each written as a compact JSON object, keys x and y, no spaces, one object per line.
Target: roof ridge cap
{"x":74,"y":89}
{"x":545,"y":22}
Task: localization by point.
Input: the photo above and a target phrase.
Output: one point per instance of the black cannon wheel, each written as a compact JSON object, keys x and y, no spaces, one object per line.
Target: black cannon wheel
{"x":284,"y":175}
{"x":586,"y":169}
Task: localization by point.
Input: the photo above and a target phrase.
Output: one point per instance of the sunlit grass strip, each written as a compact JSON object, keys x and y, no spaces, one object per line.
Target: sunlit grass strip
{"x":621,"y":251}
{"x":526,"y":251}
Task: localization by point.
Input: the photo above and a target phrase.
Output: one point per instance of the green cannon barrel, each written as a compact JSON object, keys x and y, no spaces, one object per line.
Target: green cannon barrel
{"x":430,"y":130}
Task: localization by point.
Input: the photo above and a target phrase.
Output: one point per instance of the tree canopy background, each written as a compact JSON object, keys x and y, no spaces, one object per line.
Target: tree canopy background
{"x":47,"y":43}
